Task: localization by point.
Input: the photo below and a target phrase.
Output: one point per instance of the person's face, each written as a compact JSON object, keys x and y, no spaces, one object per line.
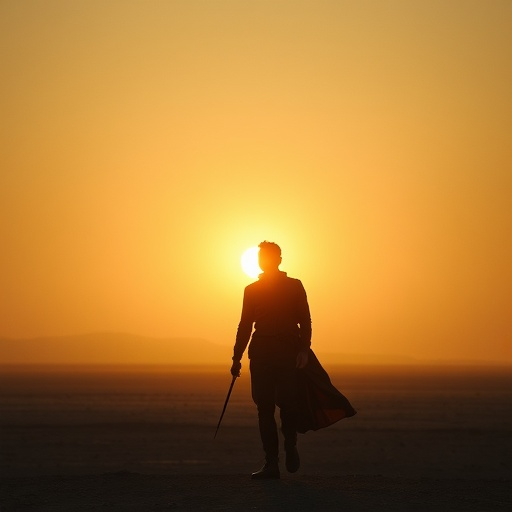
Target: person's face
{"x":268,"y":260}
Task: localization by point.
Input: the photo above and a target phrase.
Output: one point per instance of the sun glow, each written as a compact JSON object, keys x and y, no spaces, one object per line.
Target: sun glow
{"x":249,"y":262}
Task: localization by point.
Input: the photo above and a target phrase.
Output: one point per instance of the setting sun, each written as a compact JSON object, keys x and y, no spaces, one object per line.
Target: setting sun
{"x":249,"y":262}
{"x":370,"y":142}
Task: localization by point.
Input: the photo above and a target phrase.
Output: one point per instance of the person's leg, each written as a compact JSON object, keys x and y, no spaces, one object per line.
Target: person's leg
{"x":287,"y":400}
{"x":263,"y":384}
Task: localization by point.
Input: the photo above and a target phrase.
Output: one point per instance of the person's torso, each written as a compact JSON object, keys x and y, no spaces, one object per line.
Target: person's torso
{"x":276,"y":330}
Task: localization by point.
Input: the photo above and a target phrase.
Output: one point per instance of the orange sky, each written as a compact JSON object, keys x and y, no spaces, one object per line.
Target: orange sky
{"x":146,"y":145}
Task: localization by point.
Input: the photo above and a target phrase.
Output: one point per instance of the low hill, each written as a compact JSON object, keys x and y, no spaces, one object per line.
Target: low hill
{"x":112,"y":348}
{"x":117,"y":348}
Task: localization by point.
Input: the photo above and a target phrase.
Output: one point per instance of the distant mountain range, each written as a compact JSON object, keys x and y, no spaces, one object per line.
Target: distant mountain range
{"x":118,"y":348}
{"x":112,"y":348}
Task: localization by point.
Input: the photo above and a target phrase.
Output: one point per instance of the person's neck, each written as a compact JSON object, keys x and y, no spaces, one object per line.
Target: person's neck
{"x":272,"y":272}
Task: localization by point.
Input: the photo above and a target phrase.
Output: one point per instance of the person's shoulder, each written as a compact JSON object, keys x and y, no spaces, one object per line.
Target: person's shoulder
{"x":252,"y":286}
{"x":293,"y":281}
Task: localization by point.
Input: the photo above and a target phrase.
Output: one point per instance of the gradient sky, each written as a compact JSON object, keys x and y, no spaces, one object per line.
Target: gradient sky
{"x":147,"y":144}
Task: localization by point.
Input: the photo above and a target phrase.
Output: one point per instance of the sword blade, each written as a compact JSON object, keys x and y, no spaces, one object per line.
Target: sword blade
{"x":225,"y":405}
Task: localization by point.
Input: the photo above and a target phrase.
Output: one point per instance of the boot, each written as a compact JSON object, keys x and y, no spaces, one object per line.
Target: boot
{"x":292,"y":459}
{"x":269,"y":471}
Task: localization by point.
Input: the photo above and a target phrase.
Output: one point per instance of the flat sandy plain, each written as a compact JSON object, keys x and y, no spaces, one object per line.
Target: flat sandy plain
{"x":141,"y":438}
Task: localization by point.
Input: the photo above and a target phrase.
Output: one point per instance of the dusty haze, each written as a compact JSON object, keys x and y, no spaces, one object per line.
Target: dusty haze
{"x":146,"y":145}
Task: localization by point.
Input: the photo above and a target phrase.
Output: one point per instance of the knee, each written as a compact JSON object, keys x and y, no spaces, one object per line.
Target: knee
{"x":265,"y":410}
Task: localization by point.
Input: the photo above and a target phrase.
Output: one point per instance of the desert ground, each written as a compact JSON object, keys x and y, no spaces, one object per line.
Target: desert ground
{"x":141,"y":438}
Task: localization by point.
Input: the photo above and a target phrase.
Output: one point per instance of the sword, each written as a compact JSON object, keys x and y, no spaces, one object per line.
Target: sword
{"x":225,"y":404}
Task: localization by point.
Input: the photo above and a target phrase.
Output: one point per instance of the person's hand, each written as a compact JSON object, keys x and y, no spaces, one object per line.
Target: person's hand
{"x":235,"y":368}
{"x":302,"y":358}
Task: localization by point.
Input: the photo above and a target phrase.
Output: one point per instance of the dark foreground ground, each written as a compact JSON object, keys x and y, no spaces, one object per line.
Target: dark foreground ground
{"x":135,"y":491}
{"x":142,"y":439}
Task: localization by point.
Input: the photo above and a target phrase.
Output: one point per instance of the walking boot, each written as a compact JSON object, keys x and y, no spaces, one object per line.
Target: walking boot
{"x":269,"y":471}
{"x":292,"y":459}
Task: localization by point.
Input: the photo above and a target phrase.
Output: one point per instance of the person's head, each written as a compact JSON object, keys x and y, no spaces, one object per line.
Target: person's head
{"x":269,"y":256}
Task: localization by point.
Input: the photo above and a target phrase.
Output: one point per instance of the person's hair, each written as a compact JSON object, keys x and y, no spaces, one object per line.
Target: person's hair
{"x":270,"y":248}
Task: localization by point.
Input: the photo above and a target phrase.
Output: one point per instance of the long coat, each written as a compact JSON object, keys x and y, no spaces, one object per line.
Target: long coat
{"x":320,"y":403}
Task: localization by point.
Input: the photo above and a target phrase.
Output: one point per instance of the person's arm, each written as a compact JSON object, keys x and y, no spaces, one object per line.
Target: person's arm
{"x":243,"y":333}
{"x":304,"y":316}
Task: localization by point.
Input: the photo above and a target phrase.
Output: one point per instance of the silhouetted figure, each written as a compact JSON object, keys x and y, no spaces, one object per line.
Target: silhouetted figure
{"x":277,"y":306}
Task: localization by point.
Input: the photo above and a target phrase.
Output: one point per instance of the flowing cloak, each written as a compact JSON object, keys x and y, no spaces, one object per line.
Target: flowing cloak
{"x":320,"y":403}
